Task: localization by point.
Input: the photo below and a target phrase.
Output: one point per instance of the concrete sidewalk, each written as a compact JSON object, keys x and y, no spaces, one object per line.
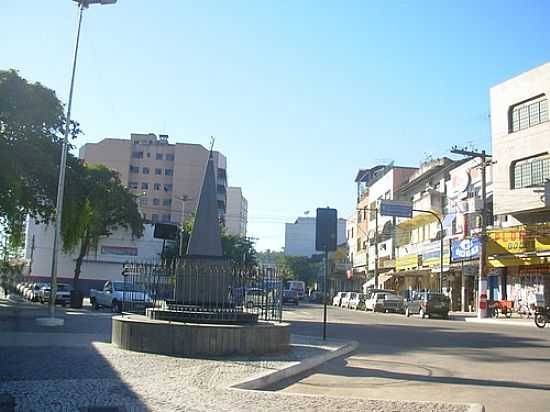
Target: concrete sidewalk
{"x":501,"y":320}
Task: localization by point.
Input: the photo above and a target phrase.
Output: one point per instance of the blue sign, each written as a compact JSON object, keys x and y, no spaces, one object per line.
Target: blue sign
{"x":466,"y":249}
{"x":396,"y":208}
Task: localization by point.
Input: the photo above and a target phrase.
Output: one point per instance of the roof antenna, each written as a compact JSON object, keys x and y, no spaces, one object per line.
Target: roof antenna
{"x":212,"y":140}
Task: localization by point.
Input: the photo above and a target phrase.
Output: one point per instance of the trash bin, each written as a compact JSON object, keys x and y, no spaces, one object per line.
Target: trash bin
{"x":76,"y":299}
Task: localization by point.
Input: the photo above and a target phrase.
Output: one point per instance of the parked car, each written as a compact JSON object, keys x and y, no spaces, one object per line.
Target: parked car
{"x":347,"y":299}
{"x":43,"y":293}
{"x":290,"y":296}
{"x":62,"y":295}
{"x":33,"y":293}
{"x":427,"y":304}
{"x":376,"y":301}
{"x":393,"y":303}
{"x":357,"y":302}
{"x":337,"y":300}
{"x":116,"y":294}
{"x":371,"y":291}
{"x":254,"y":298}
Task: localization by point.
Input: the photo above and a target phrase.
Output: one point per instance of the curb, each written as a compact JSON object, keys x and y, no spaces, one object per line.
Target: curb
{"x":492,"y":321}
{"x":271,"y":378}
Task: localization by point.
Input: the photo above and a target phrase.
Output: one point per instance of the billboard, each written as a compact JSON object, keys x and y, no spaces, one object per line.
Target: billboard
{"x":465,"y":249}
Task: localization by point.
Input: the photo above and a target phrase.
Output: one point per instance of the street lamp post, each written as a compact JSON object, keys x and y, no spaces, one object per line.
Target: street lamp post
{"x":82,"y":4}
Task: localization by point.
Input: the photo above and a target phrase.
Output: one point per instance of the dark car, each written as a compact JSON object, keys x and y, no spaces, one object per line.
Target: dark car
{"x":290,"y":296}
{"x":427,"y":304}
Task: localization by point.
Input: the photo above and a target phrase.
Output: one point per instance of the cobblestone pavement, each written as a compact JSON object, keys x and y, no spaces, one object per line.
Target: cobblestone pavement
{"x":92,"y":372}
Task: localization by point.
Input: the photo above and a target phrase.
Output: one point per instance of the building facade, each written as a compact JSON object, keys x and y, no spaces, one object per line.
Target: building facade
{"x":236,"y":218}
{"x":520,"y":244}
{"x":166,"y":177}
{"x":99,"y":265}
{"x":300,"y":236}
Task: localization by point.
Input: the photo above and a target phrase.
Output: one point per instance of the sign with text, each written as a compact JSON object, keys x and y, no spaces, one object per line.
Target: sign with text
{"x":396,"y":208}
{"x":465,"y":249}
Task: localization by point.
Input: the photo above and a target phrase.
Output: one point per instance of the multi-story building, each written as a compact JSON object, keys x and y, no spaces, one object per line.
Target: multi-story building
{"x":380,"y":243}
{"x":236,"y":217}
{"x":166,"y":177}
{"x":520,"y":126}
{"x":300,"y":236}
{"x":357,"y":232}
{"x":418,"y":239}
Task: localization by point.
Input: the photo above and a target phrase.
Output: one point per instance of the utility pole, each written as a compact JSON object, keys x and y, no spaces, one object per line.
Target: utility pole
{"x":482,"y":287}
{"x":376,"y":249}
{"x":32,"y":255}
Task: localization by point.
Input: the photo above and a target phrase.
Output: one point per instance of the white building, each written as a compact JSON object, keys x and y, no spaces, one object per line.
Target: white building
{"x":104,"y":263}
{"x":236,"y":217}
{"x":300,"y":236}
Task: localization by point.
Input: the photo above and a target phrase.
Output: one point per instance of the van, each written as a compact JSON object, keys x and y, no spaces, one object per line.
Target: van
{"x":299,"y":286}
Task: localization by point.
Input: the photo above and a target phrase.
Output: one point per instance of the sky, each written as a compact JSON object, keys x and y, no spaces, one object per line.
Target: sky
{"x":298,"y":94}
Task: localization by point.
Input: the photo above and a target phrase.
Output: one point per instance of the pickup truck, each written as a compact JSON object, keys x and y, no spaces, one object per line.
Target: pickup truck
{"x":116,"y":294}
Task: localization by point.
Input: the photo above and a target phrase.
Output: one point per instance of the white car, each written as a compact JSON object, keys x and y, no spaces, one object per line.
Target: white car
{"x":346,"y":300}
{"x":357,"y":302}
{"x":375,"y":302}
{"x":337,"y":300}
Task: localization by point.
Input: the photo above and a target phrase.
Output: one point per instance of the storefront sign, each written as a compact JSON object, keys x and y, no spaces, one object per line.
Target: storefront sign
{"x":386,"y":263}
{"x":409,"y":262}
{"x":119,"y":250}
{"x":431,"y":254}
{"x":518,"y":246}
{"x":466,"y":249}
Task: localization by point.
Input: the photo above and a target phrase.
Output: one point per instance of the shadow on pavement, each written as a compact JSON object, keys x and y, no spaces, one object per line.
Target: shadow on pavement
{"x":58,"y":368}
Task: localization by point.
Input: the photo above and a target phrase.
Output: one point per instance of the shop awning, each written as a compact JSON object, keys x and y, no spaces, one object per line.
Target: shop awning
{"x":420,"y":219}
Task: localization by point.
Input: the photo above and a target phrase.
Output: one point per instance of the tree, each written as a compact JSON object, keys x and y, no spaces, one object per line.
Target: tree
{"x":300,"y":267}
{"x":240,"y":250}
{"x":96,"y":205}
{"x":31,"y":129}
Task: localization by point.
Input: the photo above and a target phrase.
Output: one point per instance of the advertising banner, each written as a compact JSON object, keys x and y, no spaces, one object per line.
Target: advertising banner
{"x":465,"y":249}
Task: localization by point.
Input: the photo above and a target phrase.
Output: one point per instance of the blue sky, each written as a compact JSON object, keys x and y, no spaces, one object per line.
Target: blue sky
{"x":299,"y":94}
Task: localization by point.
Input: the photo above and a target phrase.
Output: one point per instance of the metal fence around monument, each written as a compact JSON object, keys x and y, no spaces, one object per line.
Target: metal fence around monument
{"x":186,"y":286}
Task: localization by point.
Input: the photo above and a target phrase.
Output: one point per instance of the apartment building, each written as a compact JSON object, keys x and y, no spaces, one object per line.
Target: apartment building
{"x":379,"y":240}
{"x":520,"y":245}
{"x":166,"y":177}
{"x":300,"y":236}
{"x":236,"y":218}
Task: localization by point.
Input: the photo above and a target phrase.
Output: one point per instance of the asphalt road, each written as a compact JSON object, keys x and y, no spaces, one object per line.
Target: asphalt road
{"x":504,"y":367}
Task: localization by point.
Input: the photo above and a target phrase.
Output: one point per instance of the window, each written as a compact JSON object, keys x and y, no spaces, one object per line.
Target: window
{"x":137,"y":155}
{"x":143,"y":201}
{"x":134,"y":169}
{"x":166,"y":218}
{"x":159,"y":156}
{"x":154,"y":218}
{"x":168,"y":172}
{"x":167,"y":202}
{"x":358,"y":216}
{"x":145,"y":170}
{"x":358,"y":244}
{"x":157,"y":186}
{"x":170,"y":156}
{"x":529,"y":114}
{"x":387,"y":195}
{"x":148,"y":154}
{"x":167,"y":188}
{"x":158,"y":172}
{"x":156,"y":201}
{"x":530,"y":172}
{"x":145,"y":186}
{"x":133,"y":185}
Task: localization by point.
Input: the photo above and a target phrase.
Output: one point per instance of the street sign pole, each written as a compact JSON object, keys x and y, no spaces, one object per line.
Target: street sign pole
{"x":325,"y":297}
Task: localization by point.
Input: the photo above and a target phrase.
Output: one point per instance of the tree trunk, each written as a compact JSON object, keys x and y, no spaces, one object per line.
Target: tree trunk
{"x":84,"y":245}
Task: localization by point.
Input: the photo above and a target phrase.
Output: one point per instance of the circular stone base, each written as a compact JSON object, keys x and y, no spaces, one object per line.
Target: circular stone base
{"x":210,"y":317}
{"x":140,"y":334}
{"x":50,"y":321}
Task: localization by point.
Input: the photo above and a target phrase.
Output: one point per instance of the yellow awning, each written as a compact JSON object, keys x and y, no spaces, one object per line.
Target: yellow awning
{"x":420,"y":219}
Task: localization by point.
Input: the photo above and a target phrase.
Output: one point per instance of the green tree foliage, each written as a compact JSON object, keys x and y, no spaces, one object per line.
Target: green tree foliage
{"x":96,"y":205}
{"x":240,"y":250}
{"x":300,"y":267}
{"x":31,"y":129}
